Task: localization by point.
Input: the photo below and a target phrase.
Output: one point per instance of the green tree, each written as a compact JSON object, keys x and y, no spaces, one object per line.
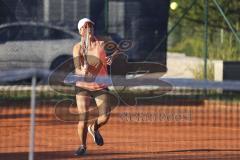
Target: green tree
{"x":189,"y":33}
{"x":196,"y":15}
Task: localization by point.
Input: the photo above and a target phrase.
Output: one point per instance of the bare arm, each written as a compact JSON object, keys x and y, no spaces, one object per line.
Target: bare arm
{"x":76,"y":58}
{"x":110,"y":58}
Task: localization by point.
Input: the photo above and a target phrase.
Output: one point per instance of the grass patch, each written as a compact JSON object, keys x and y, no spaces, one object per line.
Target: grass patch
{"x":198,"y":71}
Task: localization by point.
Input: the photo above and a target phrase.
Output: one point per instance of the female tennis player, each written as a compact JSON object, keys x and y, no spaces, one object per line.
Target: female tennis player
{"x":90,"y":60}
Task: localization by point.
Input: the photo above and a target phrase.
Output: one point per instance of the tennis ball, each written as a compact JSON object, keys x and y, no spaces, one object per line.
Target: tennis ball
{"x":173,"y":5}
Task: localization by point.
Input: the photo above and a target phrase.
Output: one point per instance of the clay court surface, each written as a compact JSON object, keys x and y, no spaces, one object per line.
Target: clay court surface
{"x":209,"y":130}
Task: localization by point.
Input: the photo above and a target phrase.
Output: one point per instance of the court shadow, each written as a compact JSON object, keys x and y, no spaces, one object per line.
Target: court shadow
{"x":93,"y":154}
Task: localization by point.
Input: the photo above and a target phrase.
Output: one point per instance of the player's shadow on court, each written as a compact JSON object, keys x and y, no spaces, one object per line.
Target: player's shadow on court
{"x":183,"y":154}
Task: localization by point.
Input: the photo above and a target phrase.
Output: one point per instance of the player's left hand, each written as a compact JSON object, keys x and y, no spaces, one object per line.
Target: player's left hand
{"x":109,"y":60}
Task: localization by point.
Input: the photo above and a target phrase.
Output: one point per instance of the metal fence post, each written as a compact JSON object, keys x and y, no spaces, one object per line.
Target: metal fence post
{"x":32,"y":120}
{"x":205,"y":38}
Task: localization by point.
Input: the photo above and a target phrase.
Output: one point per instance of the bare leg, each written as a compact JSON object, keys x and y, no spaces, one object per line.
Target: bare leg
{"x":104,"y":106}
{"x":83,"y":101}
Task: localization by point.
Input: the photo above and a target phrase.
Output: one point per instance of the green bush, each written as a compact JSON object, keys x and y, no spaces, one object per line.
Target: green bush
{"x":191,"y":47}
{"x":228,"y":50}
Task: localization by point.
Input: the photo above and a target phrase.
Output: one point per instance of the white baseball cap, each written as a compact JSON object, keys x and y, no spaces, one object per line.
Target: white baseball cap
{"x":81,"y":22}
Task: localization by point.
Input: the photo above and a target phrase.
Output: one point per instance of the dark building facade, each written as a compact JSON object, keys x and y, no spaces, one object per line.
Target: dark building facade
{"x":142,"y":21}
